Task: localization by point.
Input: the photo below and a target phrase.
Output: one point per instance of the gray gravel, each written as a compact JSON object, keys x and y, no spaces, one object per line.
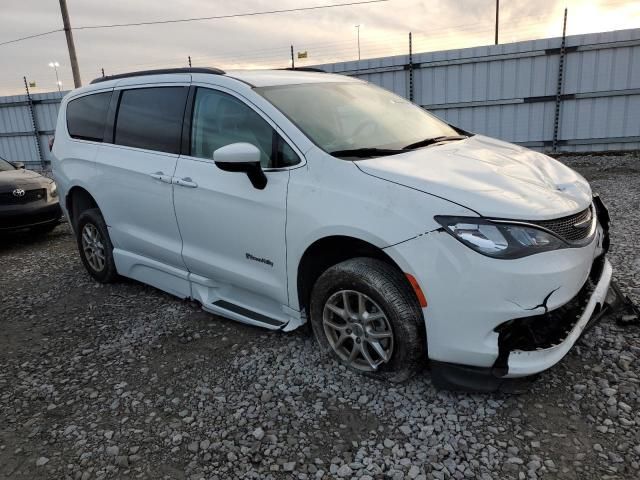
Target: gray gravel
{"x":123,"y":381}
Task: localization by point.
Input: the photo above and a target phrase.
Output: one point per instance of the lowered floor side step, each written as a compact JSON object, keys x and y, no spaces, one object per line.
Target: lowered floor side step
{"x":237,"y":309}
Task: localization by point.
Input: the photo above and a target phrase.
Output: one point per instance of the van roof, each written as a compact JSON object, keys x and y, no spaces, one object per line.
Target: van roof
{"x":255,"y":78}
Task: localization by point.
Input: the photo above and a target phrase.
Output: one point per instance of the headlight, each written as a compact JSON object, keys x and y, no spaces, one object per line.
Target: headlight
{"x":53,"y":190}
{"x":500,"y":240}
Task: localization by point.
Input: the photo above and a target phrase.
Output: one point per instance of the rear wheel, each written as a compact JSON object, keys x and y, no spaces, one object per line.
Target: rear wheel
{"x":364,"y":314}
{"x":94,"y":245}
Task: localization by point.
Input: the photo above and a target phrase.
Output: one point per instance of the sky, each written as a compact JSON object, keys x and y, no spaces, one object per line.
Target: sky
{"x":264,"y":41}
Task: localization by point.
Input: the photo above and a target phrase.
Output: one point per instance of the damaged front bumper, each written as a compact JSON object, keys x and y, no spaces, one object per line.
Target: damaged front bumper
{"x":488,"y":320}
{"x":530,"y":345}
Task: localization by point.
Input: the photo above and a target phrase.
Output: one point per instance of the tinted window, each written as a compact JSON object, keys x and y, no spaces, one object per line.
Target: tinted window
{"x":86,"y":116}
{"x":220,"y":119}
{"x":151,"y":118}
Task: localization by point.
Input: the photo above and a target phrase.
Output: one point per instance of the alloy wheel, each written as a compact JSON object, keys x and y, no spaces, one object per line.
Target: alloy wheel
{"x":357,"y":330}
{"x":93,"y":247}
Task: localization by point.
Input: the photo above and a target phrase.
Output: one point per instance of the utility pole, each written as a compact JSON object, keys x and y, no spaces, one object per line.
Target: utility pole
{"x":497,"y":18}
{"x":358,"y":28}
{"x":293,"y":62}
{"x":189,"y":61}
{"x":72,"y":48}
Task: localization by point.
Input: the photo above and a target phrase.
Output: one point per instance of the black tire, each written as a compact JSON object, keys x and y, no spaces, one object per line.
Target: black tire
{"x":93,"y":219}
{"x":389,"y":289}
{"x":44,"y":229}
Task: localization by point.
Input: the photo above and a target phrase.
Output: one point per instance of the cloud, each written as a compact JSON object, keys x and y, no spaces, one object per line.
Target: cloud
{"x":328,"y":35}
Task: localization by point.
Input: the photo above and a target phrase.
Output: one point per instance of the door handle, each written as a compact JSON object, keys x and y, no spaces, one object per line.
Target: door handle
{"x":185,"y":182}
{"x":161,"y":176}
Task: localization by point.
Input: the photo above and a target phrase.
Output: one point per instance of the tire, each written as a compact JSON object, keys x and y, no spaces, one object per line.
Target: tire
{"x":384,"y":291}
{"x":91,"y":224}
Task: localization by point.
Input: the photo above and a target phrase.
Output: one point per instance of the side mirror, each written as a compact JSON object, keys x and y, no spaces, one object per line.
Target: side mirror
{"x":18,"y":165}
{"x":241,"y":157}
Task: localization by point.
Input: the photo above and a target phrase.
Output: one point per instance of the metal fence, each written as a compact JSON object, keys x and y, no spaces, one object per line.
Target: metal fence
{"x":26,"y":124}
{"x":508,"y":91}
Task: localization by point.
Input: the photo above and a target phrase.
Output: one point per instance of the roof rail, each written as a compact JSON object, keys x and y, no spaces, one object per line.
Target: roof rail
{"x":304,"y":69}
{"x":212,"y":71}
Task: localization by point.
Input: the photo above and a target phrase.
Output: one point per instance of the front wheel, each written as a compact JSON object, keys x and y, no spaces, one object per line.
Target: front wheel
{"x":94,"y":245}
{"x":364,"y":313}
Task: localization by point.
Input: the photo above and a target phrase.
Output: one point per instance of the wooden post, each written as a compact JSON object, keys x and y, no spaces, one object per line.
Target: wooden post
{"x":70,"y":45}
{"x":497,"y":18}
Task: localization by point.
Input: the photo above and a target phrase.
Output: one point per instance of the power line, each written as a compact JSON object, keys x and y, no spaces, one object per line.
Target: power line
{"x":232,"y":15}
{"x":31,"y":36}
{"x":195,"y":19}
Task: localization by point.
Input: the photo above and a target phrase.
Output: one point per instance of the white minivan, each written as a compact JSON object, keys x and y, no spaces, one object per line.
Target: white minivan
{"x":277,"y":198}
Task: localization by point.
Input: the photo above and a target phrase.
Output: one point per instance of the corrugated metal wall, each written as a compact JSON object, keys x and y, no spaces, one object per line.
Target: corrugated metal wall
{"x":506,"y":91}
{"x":17,"y":138}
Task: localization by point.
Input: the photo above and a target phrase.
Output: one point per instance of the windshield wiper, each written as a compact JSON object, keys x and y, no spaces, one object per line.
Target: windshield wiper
{"x":365,"y":152}
{"x":431,"y":141}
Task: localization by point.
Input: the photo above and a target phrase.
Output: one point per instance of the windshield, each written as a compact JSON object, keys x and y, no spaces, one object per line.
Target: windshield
{"x":350,"y":116}
{"x":4,"y":165}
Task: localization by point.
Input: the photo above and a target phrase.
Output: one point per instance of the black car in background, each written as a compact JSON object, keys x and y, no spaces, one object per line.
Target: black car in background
{"x":27,"y":200}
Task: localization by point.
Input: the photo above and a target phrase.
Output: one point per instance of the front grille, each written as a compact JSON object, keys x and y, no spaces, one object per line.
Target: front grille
{"x":8,"y":198}
{"x":572,"y":228}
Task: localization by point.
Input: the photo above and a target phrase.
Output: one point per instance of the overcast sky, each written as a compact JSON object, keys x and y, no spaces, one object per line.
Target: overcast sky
{"x":263,"y":41}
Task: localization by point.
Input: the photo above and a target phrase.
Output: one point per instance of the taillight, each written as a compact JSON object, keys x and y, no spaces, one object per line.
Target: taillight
{"x":51,"y":140}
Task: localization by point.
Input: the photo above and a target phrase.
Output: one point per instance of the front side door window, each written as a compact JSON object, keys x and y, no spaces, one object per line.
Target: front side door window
{"x":220,"y":119}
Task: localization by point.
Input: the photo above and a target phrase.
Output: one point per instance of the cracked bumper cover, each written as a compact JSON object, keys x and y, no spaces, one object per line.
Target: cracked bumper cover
{"x":526,"y":358}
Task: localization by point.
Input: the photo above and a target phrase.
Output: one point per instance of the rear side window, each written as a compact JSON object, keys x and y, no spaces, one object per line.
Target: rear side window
{"x":151,"y":118}
{"x":86,"y":116}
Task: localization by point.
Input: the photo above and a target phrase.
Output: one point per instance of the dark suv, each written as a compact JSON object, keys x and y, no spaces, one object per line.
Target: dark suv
{"x":27,"y":200}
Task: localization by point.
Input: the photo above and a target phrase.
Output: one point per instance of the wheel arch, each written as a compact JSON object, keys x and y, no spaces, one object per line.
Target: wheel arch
{"x":331,"y":250}
{"x":78,"y":200}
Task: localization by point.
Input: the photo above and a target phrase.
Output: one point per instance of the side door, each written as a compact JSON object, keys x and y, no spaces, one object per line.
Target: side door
{"x":233,"y":233}
{"x":134,"y":184}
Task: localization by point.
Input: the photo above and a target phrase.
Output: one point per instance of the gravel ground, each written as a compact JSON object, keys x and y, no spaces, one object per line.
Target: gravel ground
{"x":124,"y":381}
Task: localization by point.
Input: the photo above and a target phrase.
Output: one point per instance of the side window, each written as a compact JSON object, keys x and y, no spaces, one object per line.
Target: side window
{"x":151,"y":118}
{"x":220,"y":119}
{"x":86,"y":116}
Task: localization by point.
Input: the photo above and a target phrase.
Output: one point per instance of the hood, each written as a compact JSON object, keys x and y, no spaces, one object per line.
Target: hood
{"x":20,"y":178}
{"x":493,"y":178}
